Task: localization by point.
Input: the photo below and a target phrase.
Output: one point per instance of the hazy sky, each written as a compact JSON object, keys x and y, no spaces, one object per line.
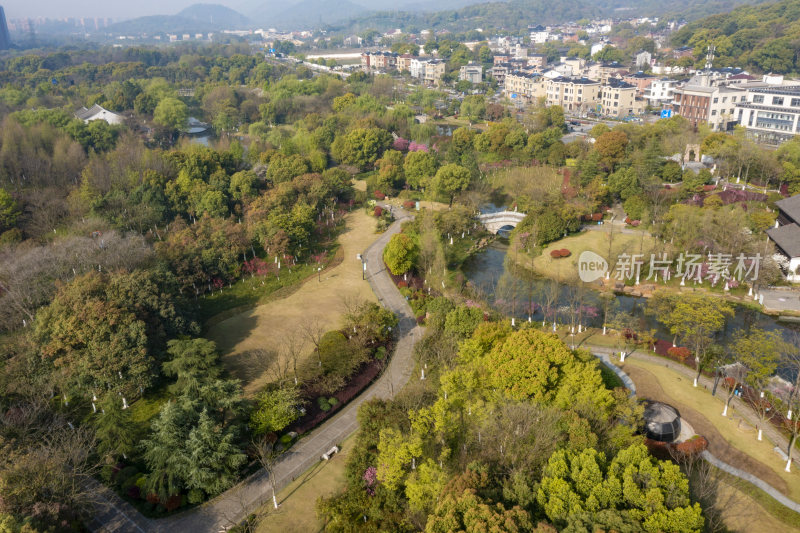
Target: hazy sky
{"x":116,"y":9}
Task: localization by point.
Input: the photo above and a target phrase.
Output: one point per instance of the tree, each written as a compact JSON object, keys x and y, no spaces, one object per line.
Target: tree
{"x":171,"y":113}
{"x":463,"y":320}
{"x":193,"y":362}
{"x":114,"y":429}
{"x":212,"y":456}
{"x":696,"y":318}
{"x":758,"y":352}
{"x":451,"y":179}
{"x":473,"y":107}
{"x":94,"y":342}
{"x":582,"y":490}
{"x":469,"y":512}
{"x":419,"y":168}
{"x":361,"y":147}
{"x":611,"y":146}
{"x":400,"y":253}
{"x":9,"y":211}
{"x":275,"y":410}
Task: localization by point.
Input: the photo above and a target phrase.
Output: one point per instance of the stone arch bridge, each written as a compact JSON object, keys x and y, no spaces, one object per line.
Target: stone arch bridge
{"x":493,"y":222}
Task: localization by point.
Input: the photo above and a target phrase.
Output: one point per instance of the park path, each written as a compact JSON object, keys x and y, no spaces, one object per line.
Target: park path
{"x":117,"y":516}
{"x":604,"y":354}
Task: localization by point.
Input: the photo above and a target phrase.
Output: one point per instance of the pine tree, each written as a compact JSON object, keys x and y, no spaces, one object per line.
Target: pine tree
{"x":213,"y":457}
{"x":114,"y":429}
{"x":194,"y":362}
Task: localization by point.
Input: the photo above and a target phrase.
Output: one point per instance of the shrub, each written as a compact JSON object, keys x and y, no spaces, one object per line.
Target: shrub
{"x":286,"y":439}
{"x":332,"y":401}
{"x":555,"y":254}
{"x":153,"y":498}
{"x":681,"y":352}
{"x":380,"y":353}
{"x":695,"y":445}
{"x":421,"y":319}
{"x":378,"y":211}
{"x":564,"y":252}
{"x":133,"y":492}
{"x":402,"y":284}
{"x":323,"y":404}
{"x":125,"y":475}
{"x":173,"y":502}
{"x":196,"y":496}
{"x":409,"y":204}
{"x":378,"y":195}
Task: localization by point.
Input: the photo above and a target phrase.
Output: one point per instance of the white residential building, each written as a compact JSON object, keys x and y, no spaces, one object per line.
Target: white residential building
{"x":770,"y":114}
{"x":472,"y":73}
{"x":98,"y":112}
{"x":659,"y":92}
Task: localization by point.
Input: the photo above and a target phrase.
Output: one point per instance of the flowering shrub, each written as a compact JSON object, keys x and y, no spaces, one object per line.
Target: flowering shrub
{"x":680,"y":352}
{"x":417,"y":147}
{"x":370,"y":478}
{"x":256,"y":266}
{"x":400,"y":144}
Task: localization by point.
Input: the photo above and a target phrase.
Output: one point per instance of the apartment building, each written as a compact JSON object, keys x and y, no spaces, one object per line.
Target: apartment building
{"x":693,"y":102}
{"x":640,"y":80}
{"x":537,"y":60}
{"x":404,"y":62}
{"x":618,"y":99}
{"x":770,"y":114}
{"x":659,"y":92}
{"x":573,"y":94}
{"x":525,"y":87}
{"x":434,"y":70}
{"x":472,"y":73}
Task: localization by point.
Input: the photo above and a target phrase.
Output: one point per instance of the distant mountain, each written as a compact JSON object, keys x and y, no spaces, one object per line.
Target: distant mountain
{"x":307,"y":14}
{"x":518,"y":14}
{"x":196,"y":18}
{"x":215,"y":14}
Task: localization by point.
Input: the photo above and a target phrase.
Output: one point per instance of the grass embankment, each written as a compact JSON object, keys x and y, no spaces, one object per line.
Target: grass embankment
{"x":730,"y":438}
{"x":267,"y":326}
{"x":296,"y":502}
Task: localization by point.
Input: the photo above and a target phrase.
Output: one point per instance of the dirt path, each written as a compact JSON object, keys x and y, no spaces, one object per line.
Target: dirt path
{"x":267,"y":326}
{"x":647,"y":386}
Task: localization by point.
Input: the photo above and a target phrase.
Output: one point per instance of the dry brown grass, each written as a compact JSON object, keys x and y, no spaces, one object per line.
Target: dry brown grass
{"x":266,"y":328}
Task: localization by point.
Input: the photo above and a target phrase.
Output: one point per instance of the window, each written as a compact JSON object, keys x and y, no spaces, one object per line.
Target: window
{"x":716,"y":100}
{"x":713,"y":112}
{"x":795,"y":102}
{"x":777,"y":100}
{"x":724,"y":99}
{"x":616,"y":104}
{"x":616,"y":96}
{"x":758,"y":98}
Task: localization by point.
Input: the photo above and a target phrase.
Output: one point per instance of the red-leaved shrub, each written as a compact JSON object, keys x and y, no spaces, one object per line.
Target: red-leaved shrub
{"x":378,"y":211}
{"x":564,"y":252}
{"x":680,"y":352}
{"x":402,"y":284}
{"x":378,"y":195}
{"x":693,"y":446}
{"x":153,"y":498}
{"x":173,"y":502}
{"x":409,"y":204}
{"x":555,"y":254}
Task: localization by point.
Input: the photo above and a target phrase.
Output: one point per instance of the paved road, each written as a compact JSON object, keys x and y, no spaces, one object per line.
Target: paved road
{"x":783,"y":299}
{"x":232,"y":507}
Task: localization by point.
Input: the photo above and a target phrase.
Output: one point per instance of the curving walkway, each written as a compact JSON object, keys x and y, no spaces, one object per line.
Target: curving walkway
{"x":230,"y":508}
{"x":604,"y":355}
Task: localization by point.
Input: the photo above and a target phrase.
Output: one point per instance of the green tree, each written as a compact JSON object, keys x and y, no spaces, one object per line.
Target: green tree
{"x":275,"y":409}
{"x":695,"y":319}
{"x":611,"y":145}
{"x":212,"y":456}
{"x":400,"y":253}
{"x":582,"y":491}
{"x":171,"y":113}
{"x":419,"y":168}
{"x":193,"y":362}
{"x":463,"y":320}
{"x":9,"y":211}
{"x":114,"y":429}
{"x":450,"y":180}
{"x":361,"y":147}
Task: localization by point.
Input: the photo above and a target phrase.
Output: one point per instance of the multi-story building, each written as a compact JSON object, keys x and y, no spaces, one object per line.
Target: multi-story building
{"x":404,"y":62}
{"x":604,"y":71}
{"x":618,"y":99}
{"x":539,"y":35}
{"x":434,"y":70}
{"x":416,"y":67}
{"x":770,"y":114}
{"x":525,"y":87}
{"x":537,"y":60}
{"x":786,"y":236}
{"x":577,"y":95}
{"x":640,"y":80}
{"x":472,"y":73}
{"x":693,"y":102}
{"x":499,"y":72}
{"x":659,"y":92}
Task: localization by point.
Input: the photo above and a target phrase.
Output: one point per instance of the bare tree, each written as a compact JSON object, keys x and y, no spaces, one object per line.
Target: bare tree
{"x":267,"y":457}
{"x":313,"y":331}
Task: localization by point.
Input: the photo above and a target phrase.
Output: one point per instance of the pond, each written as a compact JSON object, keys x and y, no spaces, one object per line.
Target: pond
{"x":516,"y":291}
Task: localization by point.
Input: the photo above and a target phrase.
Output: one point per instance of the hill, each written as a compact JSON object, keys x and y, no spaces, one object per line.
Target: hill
{"x":517,"y":15}
{"x":215,"y":14}
{"x":195,"y":18}
{"x":762,"y":38}
{"x":305,"y":14}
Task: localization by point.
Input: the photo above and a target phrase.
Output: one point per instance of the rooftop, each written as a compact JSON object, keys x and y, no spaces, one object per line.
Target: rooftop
{"x":787,"y":238}
{"x":793,"y":90}
{"x":790,"y":206}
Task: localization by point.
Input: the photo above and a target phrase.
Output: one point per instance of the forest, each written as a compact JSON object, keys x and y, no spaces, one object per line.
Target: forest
{"x":118,"y":244}
{"x":761,"y":37}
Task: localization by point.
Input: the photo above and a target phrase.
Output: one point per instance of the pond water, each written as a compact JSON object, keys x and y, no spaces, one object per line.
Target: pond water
{"x":515,"y":291}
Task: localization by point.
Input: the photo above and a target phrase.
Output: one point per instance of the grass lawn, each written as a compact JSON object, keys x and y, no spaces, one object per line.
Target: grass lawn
{"x":296,"y":503}
{"x":267,"y":326}
{"x":751,"y":510}
{"x":734,"y":444}
{"x":566,"y":268}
